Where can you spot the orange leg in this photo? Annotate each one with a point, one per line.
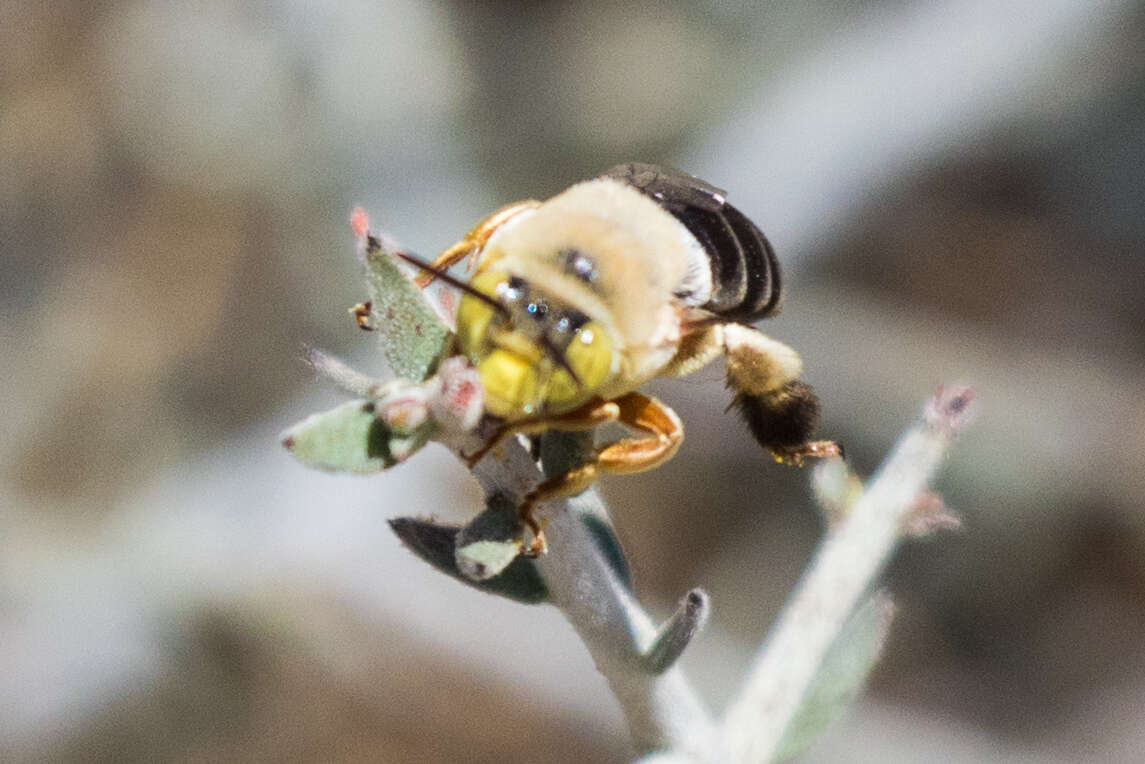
(361, 314)
(587, 417)
(473, 242)
(631, 455)
(626, 456)
(815, 449)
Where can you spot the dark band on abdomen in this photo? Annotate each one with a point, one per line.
(745, 273)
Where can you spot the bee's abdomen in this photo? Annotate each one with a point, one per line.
(745, 273)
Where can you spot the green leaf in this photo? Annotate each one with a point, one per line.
(349, 438)
(412, 336)
(842, 674)
(491, 541)
(436, 543)
(484, 559)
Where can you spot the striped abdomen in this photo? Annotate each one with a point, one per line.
(745, 273)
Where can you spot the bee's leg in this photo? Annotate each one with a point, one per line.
(362, 315)
(472, 243)
(781, 411)
(568, 484)
(586, 417)
(626, 456)
(697, 349)
(631, 455)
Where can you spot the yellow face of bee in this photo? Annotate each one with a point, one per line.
(587, 282)
(523, 355)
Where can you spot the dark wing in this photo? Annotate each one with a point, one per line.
(745, 273)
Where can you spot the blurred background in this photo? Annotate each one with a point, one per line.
(956, 192)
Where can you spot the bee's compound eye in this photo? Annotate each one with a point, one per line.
(537, 309)
(579, 264)
(512, 289)
(569, 321)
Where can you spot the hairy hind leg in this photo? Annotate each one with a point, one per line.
(781, 411)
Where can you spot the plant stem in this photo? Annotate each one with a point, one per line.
(846, 564)
(663, 711)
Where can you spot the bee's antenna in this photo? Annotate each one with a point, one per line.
(558, 356)
(552, 350)
(440, 273)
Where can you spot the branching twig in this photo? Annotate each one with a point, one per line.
(823, 645)
(848, 561)
(662, 709)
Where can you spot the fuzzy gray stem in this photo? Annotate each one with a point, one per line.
(663, 711)
(675, 633)
(842, 571)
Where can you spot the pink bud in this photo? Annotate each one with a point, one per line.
(461, 400)
(359, 222)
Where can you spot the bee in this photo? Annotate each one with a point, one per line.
(577, 301)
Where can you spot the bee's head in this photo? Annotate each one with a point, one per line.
(538, 354)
